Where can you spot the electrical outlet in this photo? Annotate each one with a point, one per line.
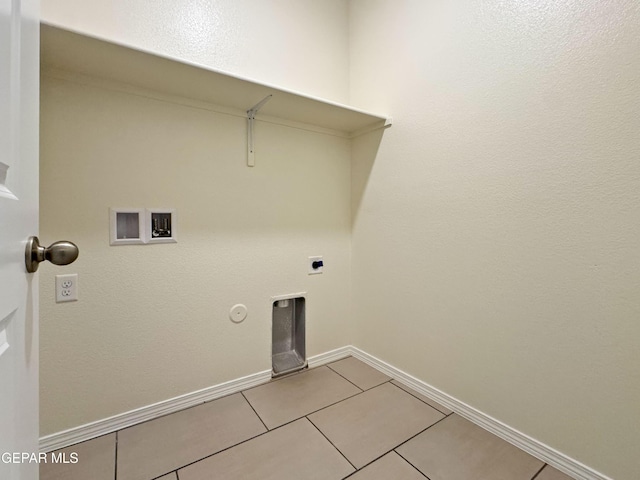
(66, 288)
(315, 265)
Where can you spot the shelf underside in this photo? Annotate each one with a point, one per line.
(87, 55)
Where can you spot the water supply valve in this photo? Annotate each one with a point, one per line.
(316, 265)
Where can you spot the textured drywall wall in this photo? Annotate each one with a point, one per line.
(153, 321)
(297, 44)
(495, 237)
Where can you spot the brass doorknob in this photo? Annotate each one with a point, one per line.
(58, 253)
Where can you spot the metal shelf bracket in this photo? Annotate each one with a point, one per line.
(251, 115)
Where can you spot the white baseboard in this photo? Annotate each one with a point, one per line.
(538, 449)
(556, 459)
(149, 412)
(331, 356)
(95, 429)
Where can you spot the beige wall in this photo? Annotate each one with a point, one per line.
(152, 320)
(295, 44)
(495, 237)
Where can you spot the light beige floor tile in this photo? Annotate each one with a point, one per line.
(171, 476)
(550, 473)
(456, 449)
(370, 424)
(294, 452)
(285, 400)
(426, 400)
(389, 467)
(96, 460)
(167, 443)
(359, 373)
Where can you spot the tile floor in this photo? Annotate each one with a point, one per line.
(341, 420)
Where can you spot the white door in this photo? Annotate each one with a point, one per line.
(19, 104)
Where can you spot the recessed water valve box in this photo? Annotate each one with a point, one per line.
(161, 223)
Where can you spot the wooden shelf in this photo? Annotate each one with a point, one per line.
(87, 55)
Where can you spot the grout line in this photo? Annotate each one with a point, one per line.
(405, 391)
(235, 445)
(100, 428)
(280, 426)
(420, 432)
(168, 473)
(281, 377)
(287, 423)
(416, 468)
(350, 475)
(398, 446)
(375, 459)
(363, 389)
(213, 400)
(220, 451)
(320, 409)
(199, 404)
(177, 411)
(338, 373)
(465, 414)
(283, 425)
(332, 404)
(537, 449)
(115, 473)
(539, 472)
(407, 440)
(227, 448)
(380, 384)
(254, 411)
(264, 433)
(379, 458)
(87, 440)
(306, 369)
(314, 411)
(332, 444)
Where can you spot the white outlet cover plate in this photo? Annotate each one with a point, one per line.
(67, 288)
